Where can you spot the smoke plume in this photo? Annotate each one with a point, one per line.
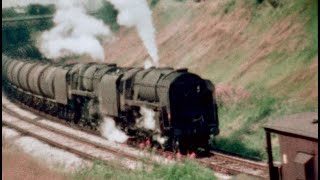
(136, 13)
(109, 130)
(75, 32)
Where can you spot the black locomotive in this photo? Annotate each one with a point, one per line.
(184, 105)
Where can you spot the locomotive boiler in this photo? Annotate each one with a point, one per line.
(184, 104)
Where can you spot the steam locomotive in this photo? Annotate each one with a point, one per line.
(184, 105)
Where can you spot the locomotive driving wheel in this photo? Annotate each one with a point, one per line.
(201, 146)
(179, 145)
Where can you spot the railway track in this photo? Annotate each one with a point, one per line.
(233, 165)
(83, 150)
(34, 125)
(87, 146)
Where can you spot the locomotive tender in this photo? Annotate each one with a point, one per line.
(184, 104)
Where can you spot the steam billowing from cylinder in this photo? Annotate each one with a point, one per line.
(75, 33)
(109, 130)
(147, 120)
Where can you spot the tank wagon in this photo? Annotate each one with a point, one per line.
(184, 104)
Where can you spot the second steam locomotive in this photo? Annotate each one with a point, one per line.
(184, 105)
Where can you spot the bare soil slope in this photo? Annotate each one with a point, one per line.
(17, 165)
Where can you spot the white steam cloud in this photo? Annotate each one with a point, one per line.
(136, 13)
(159, 138)
(75, 33)
(149, 122)
(109, 130)
(148, 63)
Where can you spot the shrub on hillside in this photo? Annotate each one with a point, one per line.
(153, 3)
(38, 9)
(236, 145)
(108, 14)
(9, 12)
(180, 0)
(188, 170)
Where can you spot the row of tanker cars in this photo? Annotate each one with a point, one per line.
(184, 104)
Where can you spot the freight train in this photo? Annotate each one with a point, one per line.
(184, 105)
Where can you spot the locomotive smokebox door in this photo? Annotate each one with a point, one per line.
(109, 96)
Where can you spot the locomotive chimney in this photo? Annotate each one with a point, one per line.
(182, 70)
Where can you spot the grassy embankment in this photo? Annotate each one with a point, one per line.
(281, 81)
(187, 171)
(264, 64)
(20, 40)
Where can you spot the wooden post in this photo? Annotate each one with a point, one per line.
(269, 151)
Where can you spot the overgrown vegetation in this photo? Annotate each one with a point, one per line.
(38, 9)
(153, 3)
(108, 14)
(187, 170)
(19, 41)
(9, 12)
(246, 137)
(30, 10)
